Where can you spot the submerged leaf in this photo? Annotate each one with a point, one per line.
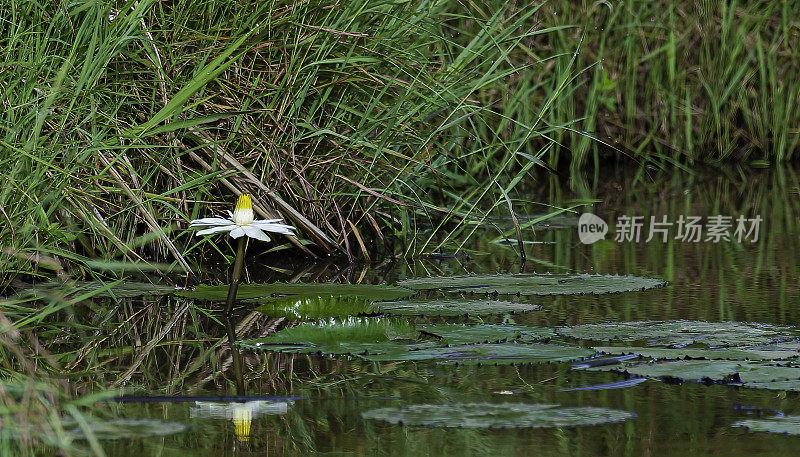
(453, 307)
(680, 333)
(384, 339)
(351, 330)
(534, 284)
(320, 307)
(280, 289)
(787, 425)
(485, 333)
(749, 373)
(789, 385)
(489, 354)
(491, 415)
(351, 336)
(709, 354)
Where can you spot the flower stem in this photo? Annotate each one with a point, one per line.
(237, 356)
(237, 274)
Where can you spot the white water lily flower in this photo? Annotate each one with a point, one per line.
(242, 222)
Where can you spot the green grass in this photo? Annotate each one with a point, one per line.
(677, 83)
(340, 119)
(364, 123)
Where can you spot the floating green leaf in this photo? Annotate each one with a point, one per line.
(787, 425)
(488, 354)
(453, 307)
(535, 334)
(682, 333)
(485, 333)
(335, 331)
(534, 284)
(491, 415)
(363, 349)
(762, 353)
(384, 339)
(305, 308)
(749, 373)
(341, 336)
(790, 385)
(280, 289)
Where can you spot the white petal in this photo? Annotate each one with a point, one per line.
(225, 228)
(210, 221)
(269, 221)
(268, 226)
(237, 232)
(254, 232)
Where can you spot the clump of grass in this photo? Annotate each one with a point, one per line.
(363, 123)
(345, 119)
(676, 84)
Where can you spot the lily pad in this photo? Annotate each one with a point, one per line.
(339, 336)
(534, 284)
(280, 289)
(484, 333)
(680, 333)
(453, 307)
(791, 385)
(393, 339)
(488, 354)
(787, 425)
(712, 370)
(491, 415)
(763, 353)
(362, 350)
(306, 308)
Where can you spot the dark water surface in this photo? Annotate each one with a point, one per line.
(727, 280)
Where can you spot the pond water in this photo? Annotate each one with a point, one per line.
(321, 398)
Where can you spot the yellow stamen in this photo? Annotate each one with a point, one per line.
(244, 202)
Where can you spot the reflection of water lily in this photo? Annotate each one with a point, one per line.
(242, 417)
(241, 414)
(242, 222)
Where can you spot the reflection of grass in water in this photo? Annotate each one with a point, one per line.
(708, 281)
(146, 344)
(41, 415)
(177, 350)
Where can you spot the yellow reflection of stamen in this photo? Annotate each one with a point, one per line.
(242, 417)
